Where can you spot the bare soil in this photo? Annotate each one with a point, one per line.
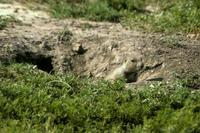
(93, 49)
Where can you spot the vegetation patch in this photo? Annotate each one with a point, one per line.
(5, 1)
(6, 20)
(163, 16)
(152, 15)
(34, 101)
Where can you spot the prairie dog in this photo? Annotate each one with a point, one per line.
(127, 70)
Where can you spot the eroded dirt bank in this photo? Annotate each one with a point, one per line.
(93, 48)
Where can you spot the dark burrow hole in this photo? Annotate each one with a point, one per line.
(131, 77)
(43, 62)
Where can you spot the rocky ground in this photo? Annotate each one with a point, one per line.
(93, 48)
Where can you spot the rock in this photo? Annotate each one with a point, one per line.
(79, 49)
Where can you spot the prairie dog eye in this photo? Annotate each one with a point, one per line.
(133, 60)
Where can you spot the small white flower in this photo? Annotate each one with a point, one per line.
(151, 86)
(35, 66)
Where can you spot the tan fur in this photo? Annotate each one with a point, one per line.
(126, 71)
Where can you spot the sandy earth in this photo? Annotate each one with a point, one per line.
(93, 48)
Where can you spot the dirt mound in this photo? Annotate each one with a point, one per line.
(21, 12)
(93, 48)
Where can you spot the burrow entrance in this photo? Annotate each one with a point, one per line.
(42, 62)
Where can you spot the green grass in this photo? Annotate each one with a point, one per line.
(34, 101)
(5, 1)
(97, 11)
(170, 16)
(180, 16)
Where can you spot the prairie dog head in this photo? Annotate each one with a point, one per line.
(130, 65)
(127, 70)
(133, 65)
